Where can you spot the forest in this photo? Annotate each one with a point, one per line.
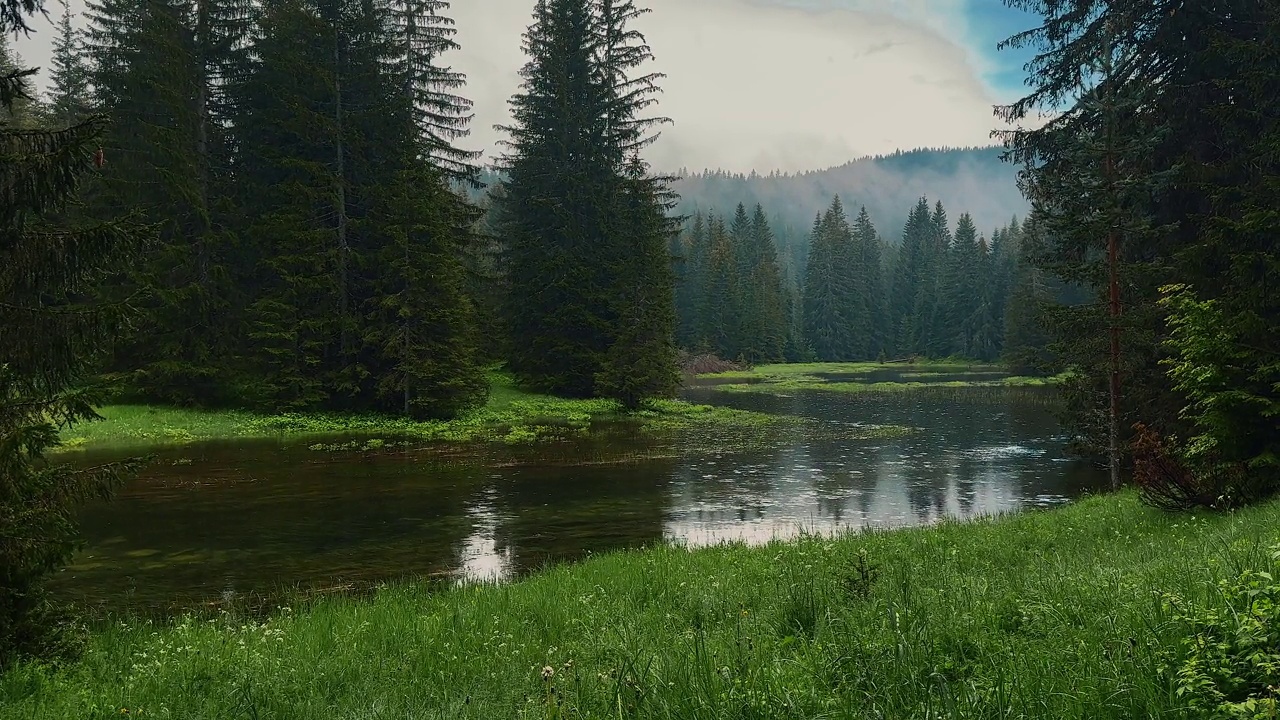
(854, 296)
(267, 206)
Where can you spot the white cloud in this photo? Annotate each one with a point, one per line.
(759, 85)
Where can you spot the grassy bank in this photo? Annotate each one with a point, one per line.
(510, 415)
(1070, 613)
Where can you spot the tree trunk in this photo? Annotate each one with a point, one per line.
(340, 194)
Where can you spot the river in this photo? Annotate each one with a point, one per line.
(215, 521)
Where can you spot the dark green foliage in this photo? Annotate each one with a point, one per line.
(69, 74)
(580, 219)
(298, 158)
(49, 335)
(1231, 388)
(641, 362)
(155, 63)
(1227, 664)
(1163, 151)
(828, 286)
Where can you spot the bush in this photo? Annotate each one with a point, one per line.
(1228, 665)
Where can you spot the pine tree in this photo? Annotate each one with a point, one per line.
(442, 115)
(17, 99)
(961, 291)
(692, 261)
(932, 334)
(69, 77)
(720, 327)
(640, 364)
(155, 69)
(867, 319)
(909, 275)
(558, 310)
(50, 339)
(767, 291)
(571, 207)
(828, 289)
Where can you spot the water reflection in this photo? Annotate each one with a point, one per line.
(257, 517)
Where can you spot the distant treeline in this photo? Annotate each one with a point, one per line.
(939, 292)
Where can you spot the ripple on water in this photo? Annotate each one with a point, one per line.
(366, 517)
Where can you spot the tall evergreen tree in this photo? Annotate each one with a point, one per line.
(50, 339)
(867, 310)
(69, 99)
(828, 286)
(910, 273)
(570, 204)
(768, 292)
(424, 33)
(155, 66)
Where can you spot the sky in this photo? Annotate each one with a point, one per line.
(765, 85)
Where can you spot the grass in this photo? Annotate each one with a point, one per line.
(786, 370)
(911, 377)
(1053, 614)
(510, 415)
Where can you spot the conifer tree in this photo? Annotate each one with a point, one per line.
(69, 74)
(961, 291)
(866, 310)
(155, 67)
(575, 228)
(720, 328)
(828, 290)
(50, 339)
(442, 115)
(910, 273)
(768, 292)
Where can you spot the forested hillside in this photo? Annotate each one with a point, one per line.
(936, 289)
(974, 179)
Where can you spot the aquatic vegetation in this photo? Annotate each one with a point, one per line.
(870, 378)
(791, 370)
(1040, 614)
(511, 416)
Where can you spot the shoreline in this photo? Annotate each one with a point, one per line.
(1048, 611)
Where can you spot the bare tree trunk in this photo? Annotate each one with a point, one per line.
(1113, 262)
(340, 193)
(202, 230)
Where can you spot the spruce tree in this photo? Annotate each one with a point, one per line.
(69, 99)
(155, 68)
(828, 287)
(910, 270)
(720, 326)
(424, 33)
(558, 274)
(575, 227)
(961, 291)
(867, 301)
(50, 340)
(768, 292)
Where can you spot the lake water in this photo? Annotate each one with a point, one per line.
(216, 521)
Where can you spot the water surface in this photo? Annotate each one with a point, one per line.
(220, 520)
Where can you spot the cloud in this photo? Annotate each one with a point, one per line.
(759, 84)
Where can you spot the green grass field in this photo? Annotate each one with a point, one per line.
(510, 415)
(1078, 612)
